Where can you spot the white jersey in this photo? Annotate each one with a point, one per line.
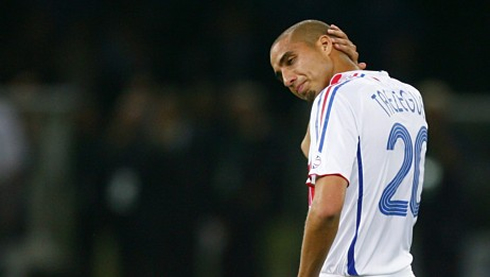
(370, 129)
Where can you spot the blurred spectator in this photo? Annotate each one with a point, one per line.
(45, 110)
(144, 182)
(13, 166)
(247, 184)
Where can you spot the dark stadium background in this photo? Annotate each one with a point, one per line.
(150, 138)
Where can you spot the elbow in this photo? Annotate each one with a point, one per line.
(326, 214)
(329, 198)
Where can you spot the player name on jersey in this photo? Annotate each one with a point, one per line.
(398, 102)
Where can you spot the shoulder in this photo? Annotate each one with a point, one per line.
(355, 80)
(349, 85)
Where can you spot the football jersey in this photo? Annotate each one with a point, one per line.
(370, 129)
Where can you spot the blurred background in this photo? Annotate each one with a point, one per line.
(150, 138)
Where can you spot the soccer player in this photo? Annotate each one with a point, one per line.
(366, 155)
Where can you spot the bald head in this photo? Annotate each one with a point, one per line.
(307, 31)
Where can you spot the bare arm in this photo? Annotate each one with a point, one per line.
(305, 144)
(321, 224)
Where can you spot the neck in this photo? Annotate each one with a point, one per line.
(343, 63)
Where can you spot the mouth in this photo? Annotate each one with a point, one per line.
(300, 88)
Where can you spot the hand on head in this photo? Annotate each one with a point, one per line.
(342, 43)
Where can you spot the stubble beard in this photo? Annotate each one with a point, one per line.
(310, 96)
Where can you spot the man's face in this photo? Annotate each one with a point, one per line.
(304, 69)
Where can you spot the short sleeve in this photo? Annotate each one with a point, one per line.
(335, 127)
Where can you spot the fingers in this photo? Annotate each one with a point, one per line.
(339, 37)
(347, 48)
(351, 51)
(342, 43)
(337, 32)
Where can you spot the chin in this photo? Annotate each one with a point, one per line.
(310, 96)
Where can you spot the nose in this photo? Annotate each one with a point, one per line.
(288, 77)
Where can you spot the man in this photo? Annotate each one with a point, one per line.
(366, 157)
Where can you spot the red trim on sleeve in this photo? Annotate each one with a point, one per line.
(310, 184)
(311, 195)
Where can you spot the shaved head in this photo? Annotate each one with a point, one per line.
(304, 58)
(307, 31)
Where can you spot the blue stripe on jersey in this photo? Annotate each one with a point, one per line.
(327, 116)
(351, 263)
(329, 108)
(318, 110)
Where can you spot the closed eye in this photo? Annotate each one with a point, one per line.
(287, 59)
(290, 61)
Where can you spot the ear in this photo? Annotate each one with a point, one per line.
(325, 44)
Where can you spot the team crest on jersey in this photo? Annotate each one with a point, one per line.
(317, 162)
